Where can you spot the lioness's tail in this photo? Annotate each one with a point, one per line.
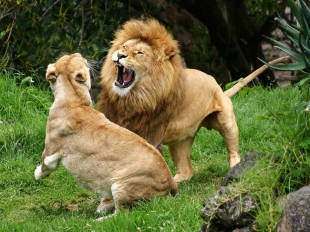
(237, 87)
(174, 187)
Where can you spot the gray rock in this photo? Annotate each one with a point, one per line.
(247, 161)
(227, 209)
(237, 212)
(296, 214)
(250, 228)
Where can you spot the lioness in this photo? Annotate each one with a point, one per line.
(102, 156)
(146, 89)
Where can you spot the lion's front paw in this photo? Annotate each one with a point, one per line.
(182, 177)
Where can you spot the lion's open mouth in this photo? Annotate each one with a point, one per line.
(125, 77)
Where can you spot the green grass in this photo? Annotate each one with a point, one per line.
(59, 204)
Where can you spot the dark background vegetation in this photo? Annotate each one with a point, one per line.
(220, 37)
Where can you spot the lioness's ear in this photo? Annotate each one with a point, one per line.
(51, 74)
(51, 77)
(80, 78)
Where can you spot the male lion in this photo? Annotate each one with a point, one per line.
(146, 89)
(102, 156)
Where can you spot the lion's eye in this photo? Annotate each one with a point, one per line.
(139, 52)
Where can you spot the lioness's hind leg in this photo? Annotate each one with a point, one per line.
(180, 153)
(106, 206)
(225, 123)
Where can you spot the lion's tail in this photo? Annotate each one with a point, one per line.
(237, 87)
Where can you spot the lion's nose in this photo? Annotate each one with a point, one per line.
(121, 56)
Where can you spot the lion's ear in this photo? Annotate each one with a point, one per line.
(165, 53)
(172, 49)
(171, 53)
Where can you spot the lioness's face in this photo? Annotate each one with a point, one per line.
(133, 59)
(73, 67)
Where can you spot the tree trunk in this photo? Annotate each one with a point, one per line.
(239, 39)
(249, 36)
(209, 13)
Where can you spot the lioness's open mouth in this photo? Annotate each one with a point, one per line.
(125, 77)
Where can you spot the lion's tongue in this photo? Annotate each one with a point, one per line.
(126, 77)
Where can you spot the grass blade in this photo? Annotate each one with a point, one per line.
(297, 56)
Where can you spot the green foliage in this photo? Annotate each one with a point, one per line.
(294, 156)
(293, 124)
(300, 37)
(295, 130)
(35, 33)
(285, 167)
(262, 9)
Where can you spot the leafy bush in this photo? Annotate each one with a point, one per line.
(294, 155)
(34, 33)
(299, 36)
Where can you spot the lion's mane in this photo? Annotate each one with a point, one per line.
(152, 101)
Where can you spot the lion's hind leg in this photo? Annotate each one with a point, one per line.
(225, 123)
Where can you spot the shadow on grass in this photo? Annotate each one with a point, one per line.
(209, 175)
(58, 210)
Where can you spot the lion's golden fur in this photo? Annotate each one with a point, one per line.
(166, 103)
(157, 94)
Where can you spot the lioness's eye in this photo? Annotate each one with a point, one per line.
(139, 52)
